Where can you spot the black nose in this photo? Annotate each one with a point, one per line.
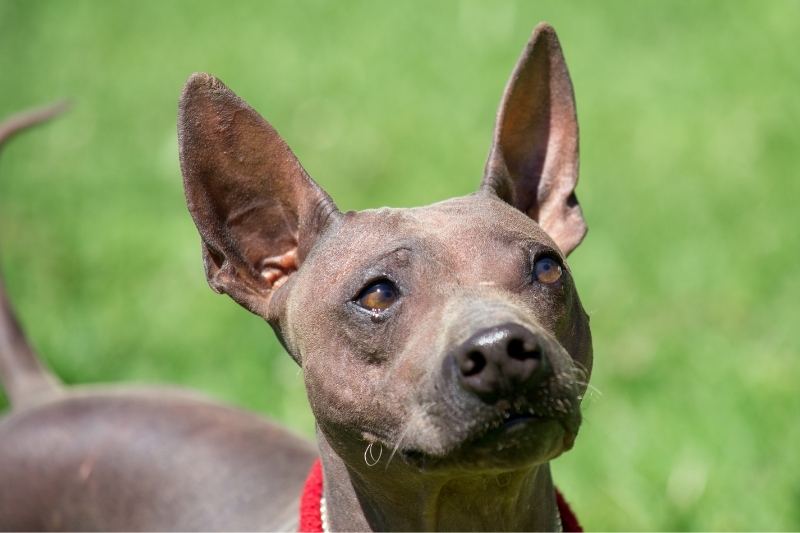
(501, 362)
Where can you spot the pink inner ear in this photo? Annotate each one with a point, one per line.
(533, 164)
(275, 270)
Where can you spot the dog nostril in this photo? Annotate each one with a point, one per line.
(473, 363)
(521, 350)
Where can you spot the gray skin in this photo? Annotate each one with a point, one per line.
(440, 410)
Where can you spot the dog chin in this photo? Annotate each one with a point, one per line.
(517, 442)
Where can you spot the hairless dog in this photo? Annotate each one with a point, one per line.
(444, 349)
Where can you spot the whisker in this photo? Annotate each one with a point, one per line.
(403, 433)
(593, 389)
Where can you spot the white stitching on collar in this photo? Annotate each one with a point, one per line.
(323, 515)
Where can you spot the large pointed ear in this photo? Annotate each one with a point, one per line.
(257, 211)
(533, 164)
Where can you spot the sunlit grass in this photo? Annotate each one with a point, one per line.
(689, 119)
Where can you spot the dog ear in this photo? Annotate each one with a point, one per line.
(533, 163)
(257, 211)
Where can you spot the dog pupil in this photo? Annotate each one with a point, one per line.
(379, 296)
(547, 270)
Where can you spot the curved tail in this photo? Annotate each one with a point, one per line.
(22, 374)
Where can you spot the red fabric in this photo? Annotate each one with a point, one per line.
(311, 521)
(568, 519)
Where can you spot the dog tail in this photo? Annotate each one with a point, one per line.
(22, 374)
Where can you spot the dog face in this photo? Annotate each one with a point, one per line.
(382, 313)
(451, 334)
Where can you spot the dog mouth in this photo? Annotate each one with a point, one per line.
(514, 426)
(510, 436)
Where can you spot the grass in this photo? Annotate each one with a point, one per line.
(689, 120)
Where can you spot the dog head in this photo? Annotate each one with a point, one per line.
(451, 334)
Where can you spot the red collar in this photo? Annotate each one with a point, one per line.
(311, 519)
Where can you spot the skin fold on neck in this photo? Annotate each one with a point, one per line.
(378, 498)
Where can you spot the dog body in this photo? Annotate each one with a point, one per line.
(444, 348)
(138, 460)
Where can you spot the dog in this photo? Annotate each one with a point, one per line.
(444, 349)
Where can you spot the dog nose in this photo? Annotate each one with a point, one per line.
(501, 361)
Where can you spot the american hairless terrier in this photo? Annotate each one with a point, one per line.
(444, 348)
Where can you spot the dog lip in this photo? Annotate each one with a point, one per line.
(511, 433)
(510, 424)
(507, 426)
(516, 420)
(518, 425)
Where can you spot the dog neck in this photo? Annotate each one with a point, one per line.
(394, 497)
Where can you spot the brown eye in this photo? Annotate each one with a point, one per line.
(547, 270)
(378, 296)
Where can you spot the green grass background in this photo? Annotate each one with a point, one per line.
(690, 123)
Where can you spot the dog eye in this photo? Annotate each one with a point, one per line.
(547, 270)
(378, 296)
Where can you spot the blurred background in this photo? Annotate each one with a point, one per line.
(689, 116)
